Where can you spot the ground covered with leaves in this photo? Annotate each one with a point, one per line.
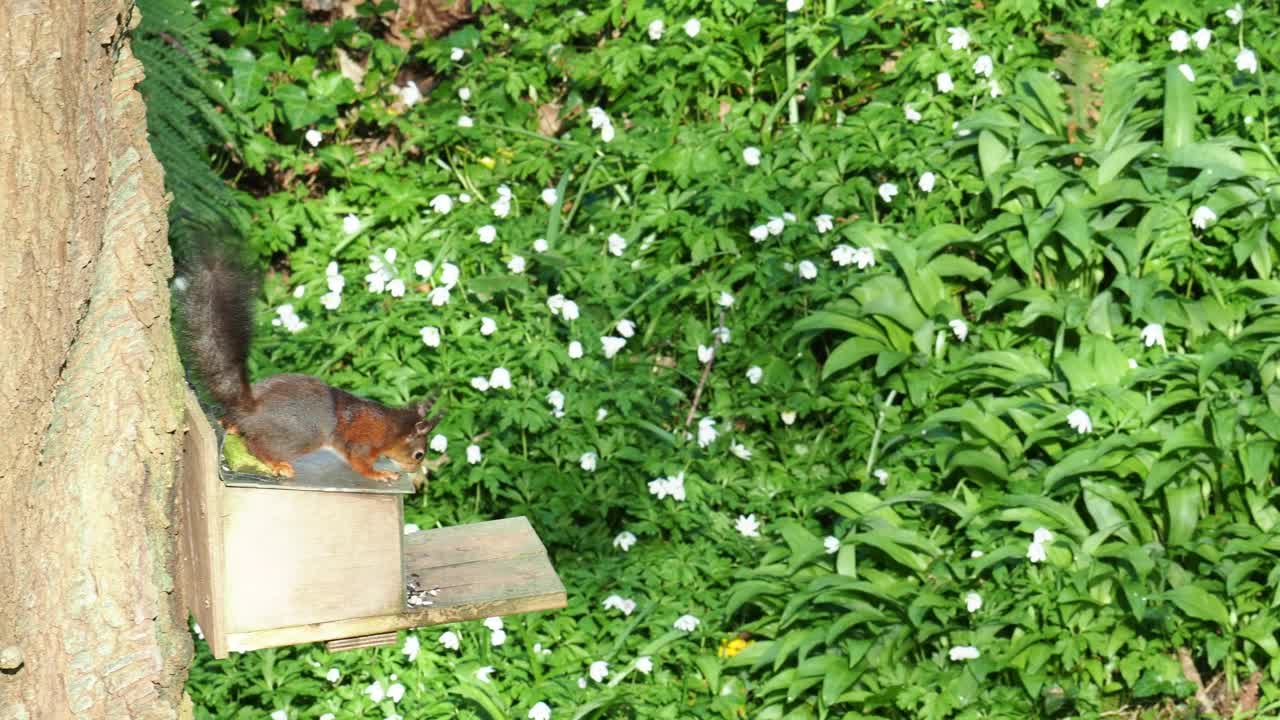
(895, 360)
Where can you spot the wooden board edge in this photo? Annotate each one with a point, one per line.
(357, 627)
(200, 528)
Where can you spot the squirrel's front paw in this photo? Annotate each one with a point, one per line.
(386, 476)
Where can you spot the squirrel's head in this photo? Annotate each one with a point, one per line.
(412, 448)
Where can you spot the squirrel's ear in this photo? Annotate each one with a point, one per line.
(425, 406)
(425, 426)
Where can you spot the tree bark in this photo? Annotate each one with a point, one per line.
(90, 385)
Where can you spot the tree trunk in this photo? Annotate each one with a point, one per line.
(90, 385)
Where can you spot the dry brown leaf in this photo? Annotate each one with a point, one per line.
(549, 119)
(351, 69)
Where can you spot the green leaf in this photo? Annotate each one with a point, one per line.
(1179, 110)
(1200, 604)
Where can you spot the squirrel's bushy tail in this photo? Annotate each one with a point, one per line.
(217, 315)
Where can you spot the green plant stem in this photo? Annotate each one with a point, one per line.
(875, 439)
(582, 190)
(529, 134)
(793, 85)
(793, 107)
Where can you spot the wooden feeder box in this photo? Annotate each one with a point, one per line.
(323, 556)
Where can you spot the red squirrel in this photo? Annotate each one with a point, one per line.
(285, 416)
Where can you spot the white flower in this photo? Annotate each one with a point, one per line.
(976, 554)
(617, 244)
(626, 605)
(686, 623)
(600, 120)
(582, 683)
(488, 326)
(626, 328)
(1044, 536)
(912, 114)
(1036, 552)
(464, 198)
(964, 652)
(973, 602)
(539, 650)
(740, 450)
(540, 245)
(487, 233)
(390, 254)
(984, 66)
(1203, 217)
(795, 6)
(395, 692)
(1179, 41)
(556, 399)
(655, 30)
(755, 374)
(725, 300)
(601, 414)
(644, 664)
(331, 300)
(1246, 61)
(464, 94)
(887, 191)
(1102, 3)
(449, 274)
(668, 486)
(599, 670)
(957, 38)
(497, 638)
(707, 432)
(502, 206)
(410, 94)
(881, 475)
(480, 383)
(1201, 38)
(944, 83)
(280, 715)
(995, 88)
(1079, 421)
(439, 296)
(288, 319)
(540, 711)
(314, 137)
(465, 121)
(960, 328)
(1133, 364)
(442, 203)
(439, 443)
(775, 226)
(555, 303)
(485, 674)
(927, 181)
(423, 269)
(824, 224)
(473, 454)
(612, 345)
(575, 350)
(706, 354)
(333, 675)
(624, 540)
(396, 288)
(570, 310)
(1235, 14)
(500, 378)
(842, 255)
(751, 156)
(450, 640)
(376, 692)
(588, 461)
(692, 27)
(516, 264)
(550, 196)
(758, 233)
(1152, 334)
(808, 270)
(456, 54)
(351, 224)
(1187, 72)
(328, 716)
(747, 525)
(788, 417)
(831, 544)
(411, 647)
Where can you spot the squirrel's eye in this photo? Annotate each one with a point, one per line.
(417, 454)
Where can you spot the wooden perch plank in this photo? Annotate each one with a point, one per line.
(200, 562)
(480, 570)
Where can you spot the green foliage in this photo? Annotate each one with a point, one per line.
(1043, 374)
(185, 114)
